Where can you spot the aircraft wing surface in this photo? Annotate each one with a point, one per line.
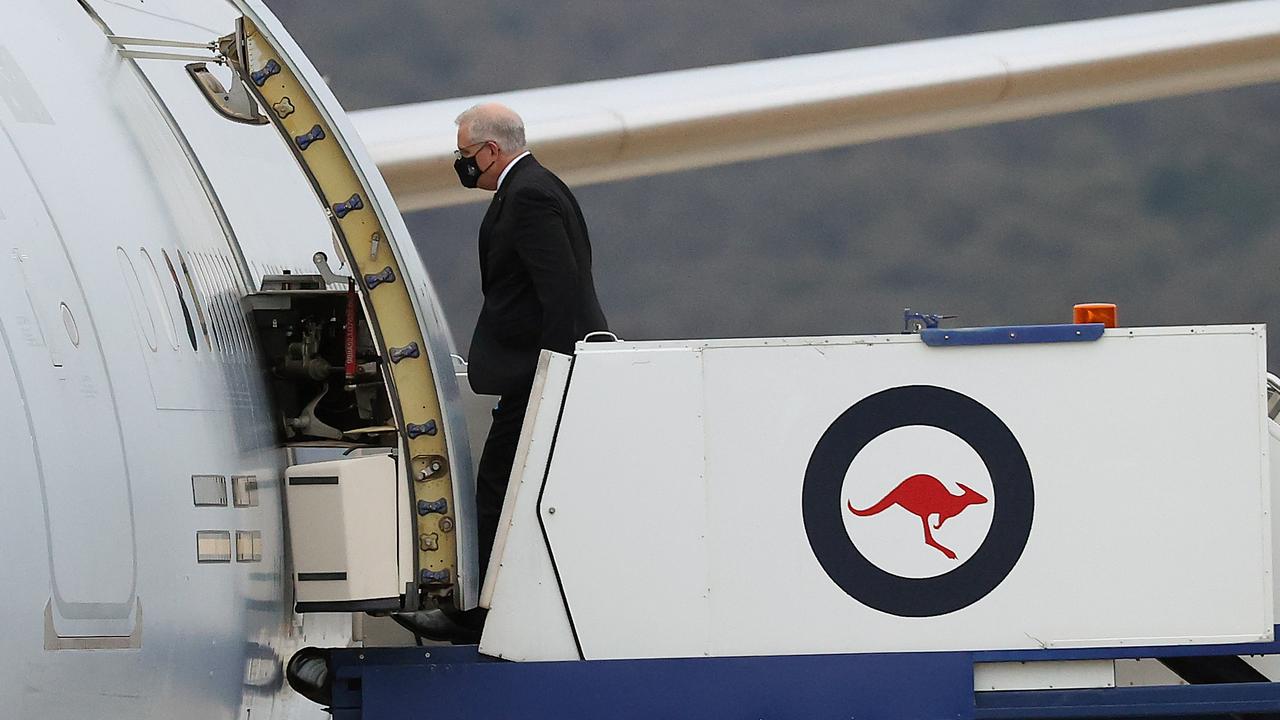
(643, 125)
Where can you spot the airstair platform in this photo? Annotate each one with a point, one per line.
(703, 586)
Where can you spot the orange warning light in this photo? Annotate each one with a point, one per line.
(1104, 313)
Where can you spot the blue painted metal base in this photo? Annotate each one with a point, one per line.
(1198, 701)
(458, 683)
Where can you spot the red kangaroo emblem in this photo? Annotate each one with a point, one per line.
(925, 495)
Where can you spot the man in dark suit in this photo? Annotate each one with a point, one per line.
(535, 271)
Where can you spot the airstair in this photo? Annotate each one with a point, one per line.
(700, 581)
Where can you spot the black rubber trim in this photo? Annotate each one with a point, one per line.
(349, 605)
(305, 577)
(564, 401)
(314, 480)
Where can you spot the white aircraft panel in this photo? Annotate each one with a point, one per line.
(1146, 453)
(24, 574)
(80, 452)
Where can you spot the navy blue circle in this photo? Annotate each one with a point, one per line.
(823, 507)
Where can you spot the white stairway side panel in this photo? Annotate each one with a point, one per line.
(1148, 521)
(1148, 506)
(527, 618)
(625, 504)
(546, 396)
(1273, 453)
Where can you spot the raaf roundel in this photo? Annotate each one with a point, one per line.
(991, 496)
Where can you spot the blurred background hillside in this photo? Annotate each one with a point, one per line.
(1170, 208)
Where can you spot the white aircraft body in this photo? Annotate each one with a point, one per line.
(134, 218)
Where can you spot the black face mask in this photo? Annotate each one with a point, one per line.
(469, 171)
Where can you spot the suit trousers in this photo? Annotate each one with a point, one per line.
(494, 470)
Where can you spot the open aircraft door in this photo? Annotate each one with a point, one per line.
(358, 362)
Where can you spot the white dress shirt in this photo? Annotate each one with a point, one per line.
(510, 165)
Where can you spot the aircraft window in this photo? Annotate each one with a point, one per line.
(231, 296)
(182, 300)
(69, 322)
(213, 546)
(233, 275)
(239, 291)
(141, 312)
(195, 298)
(248, 545)
(213, 301)
(241, 315)
(157, 295)
(216, 318)
(207, 312)
(218, 284)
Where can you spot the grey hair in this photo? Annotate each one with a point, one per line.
(485, 122)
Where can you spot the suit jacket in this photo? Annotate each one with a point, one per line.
(535, 271)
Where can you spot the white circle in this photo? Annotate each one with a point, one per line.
(894, 538)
